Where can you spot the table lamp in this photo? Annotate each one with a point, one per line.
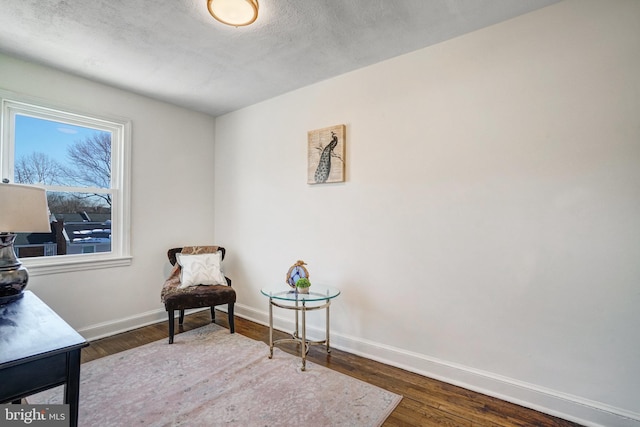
(23, 209)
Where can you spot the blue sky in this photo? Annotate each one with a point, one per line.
(48, 137)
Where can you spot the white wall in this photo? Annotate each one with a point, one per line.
(488, 232)
(172, 199)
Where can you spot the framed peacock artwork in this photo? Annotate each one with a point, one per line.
(326, 155)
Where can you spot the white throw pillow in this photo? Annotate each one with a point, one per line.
(201, 269)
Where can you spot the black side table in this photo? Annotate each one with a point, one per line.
(38, 351)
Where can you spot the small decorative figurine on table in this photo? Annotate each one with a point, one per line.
(297, 272)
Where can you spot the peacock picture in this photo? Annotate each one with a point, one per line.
(326, 155)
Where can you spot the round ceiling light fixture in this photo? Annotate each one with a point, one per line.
(234, 12)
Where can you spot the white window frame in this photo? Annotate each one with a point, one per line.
(120, 129)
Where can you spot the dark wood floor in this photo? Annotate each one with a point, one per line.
(426, 402)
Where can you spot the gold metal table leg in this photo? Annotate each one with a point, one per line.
(296, 309)
(303, 343)
(327, 327)
(270, 328)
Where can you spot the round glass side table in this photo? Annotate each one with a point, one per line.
(319, 297)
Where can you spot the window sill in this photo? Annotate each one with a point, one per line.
(66, 264)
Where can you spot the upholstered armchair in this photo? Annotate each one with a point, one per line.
(196, 281)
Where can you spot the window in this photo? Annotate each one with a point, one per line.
(82, 161)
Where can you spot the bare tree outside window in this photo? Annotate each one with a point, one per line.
(37, 168)
(89, 163)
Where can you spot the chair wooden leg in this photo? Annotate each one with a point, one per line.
(181, 321)
(232, 326)
(171, 325)
(213, 314)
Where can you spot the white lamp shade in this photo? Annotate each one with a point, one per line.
(23, 209)
(234, 12)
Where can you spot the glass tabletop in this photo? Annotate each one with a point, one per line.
(316, 293)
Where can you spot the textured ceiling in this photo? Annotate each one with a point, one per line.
(175, 51)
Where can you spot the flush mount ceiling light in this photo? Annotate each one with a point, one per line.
(234, 12)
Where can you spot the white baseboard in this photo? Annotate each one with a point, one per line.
(107, 329)
(574, 408)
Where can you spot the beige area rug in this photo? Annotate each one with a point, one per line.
(209, 377)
